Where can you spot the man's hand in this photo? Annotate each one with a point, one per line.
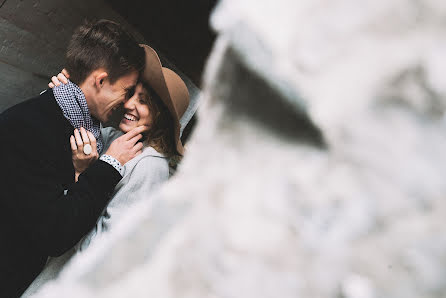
(81, 161)
(126, 147)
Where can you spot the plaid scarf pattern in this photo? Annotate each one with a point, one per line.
(73, 104)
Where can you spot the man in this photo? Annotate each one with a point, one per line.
(44, 212)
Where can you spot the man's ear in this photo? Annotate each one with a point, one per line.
(100, 79)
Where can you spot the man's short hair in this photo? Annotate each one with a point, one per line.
(102, 44)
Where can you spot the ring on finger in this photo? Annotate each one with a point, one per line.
(87, 149)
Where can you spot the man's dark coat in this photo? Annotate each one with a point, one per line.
(43, 212)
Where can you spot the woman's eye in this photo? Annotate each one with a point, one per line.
(143, 100)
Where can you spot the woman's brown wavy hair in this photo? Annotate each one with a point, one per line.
(161, 135)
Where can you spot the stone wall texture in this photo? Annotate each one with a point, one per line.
(316, 170)
(34, 35)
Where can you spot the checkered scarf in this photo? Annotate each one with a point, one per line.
(71, 100)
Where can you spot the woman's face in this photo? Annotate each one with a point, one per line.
(136, 110)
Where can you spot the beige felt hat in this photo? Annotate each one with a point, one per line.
(169, 87)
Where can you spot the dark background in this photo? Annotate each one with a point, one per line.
(178, 29)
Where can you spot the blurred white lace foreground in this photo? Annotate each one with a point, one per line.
(316, 170)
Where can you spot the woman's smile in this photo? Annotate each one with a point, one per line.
(130, 117)
(136, 109)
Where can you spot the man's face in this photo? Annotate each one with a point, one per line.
(110, 96)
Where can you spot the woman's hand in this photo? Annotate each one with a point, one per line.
(62, 77)
(82, 161)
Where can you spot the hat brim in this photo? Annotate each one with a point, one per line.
(156, 76)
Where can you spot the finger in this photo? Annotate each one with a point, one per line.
(92, 142)
(51, 85)
(78, 138)
(135, 139)
(135, 131)
(55, 81)
(73, 144)
(62, 78)
(65, 73)
(84, 135)
(137, 147)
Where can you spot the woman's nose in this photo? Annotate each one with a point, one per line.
(130, 103)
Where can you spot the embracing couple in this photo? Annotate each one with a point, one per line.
(65, 179)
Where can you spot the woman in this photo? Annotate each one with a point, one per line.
(159, 100)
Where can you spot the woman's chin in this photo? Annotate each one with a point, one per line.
(124, 127)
